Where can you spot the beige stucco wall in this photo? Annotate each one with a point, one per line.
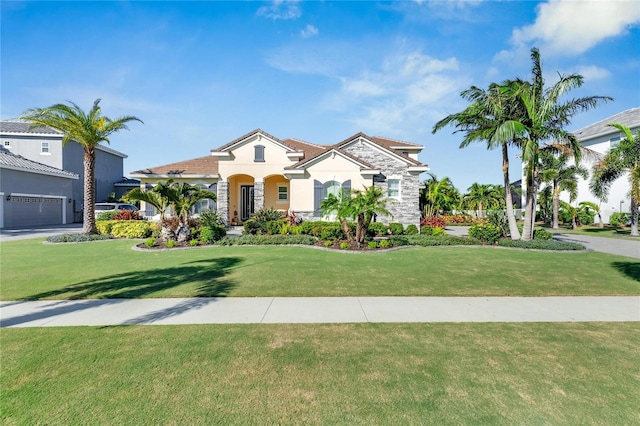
(271, 185)
(242, 160)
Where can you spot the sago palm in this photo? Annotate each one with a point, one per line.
(88, 129)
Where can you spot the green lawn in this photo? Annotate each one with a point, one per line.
(387, 374)
(595, 231)
(108, 269)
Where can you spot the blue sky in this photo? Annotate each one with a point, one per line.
(200, 74)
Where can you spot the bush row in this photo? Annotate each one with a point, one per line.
(266, 240)
(127, 228)
(76, 238)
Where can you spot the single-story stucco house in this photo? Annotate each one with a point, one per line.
(259, 170)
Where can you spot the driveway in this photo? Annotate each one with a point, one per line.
(13, 234)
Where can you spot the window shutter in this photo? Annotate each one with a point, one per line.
(318, 195)
(346, 188)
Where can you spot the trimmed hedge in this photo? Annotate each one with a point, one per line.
(540, 244)
(76, 238)
(485, 232)
(213, 233)
(441, 240)
(125, 228)
(267, 240)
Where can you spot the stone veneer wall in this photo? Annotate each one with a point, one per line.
(407, 209)
(258, 195)
(223, 200)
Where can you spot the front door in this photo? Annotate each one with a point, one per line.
(246, 202)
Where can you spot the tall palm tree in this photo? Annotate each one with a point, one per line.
(88, 129)
(621, 159)
(481, 196)
(561, 176)
(586, 205)
(544, 119)
(480, 122)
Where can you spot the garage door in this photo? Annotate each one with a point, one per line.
(34, 211)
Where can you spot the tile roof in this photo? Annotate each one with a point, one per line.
(23, 127)
(248, 135)
(125, 181)
(630, 118)
(387, 144)
(198, 166)
(310, 150)
(12, 161)
(329, 149)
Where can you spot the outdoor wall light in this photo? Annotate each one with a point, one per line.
(8, 197)
(70, 200)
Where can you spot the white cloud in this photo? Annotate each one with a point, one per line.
(572, 27)
(592, 72)
(309, 31)
(281, 9)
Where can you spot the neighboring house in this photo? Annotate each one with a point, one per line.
(600, 137)
(259, 170)
(44, 145)
(32, 193)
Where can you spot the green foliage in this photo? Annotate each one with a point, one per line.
(372, 244)
(498, 218)
(328, 243)
(396, 228)
(253, 227)
(323, 230)
(150, 242)
(398, 240)
(211, 218)
(619, 219)
(211, 234)
(586, 216)
(104, 226)
(107, 215)
(131, 229)
(440, 240)
(76, 238)
(540, 244)
(377, 229)
(171, 243)
(485, 232)
(344, 246)
(411, 230)
(384, 243)
(541, 234)
(265, 215)
(275, 227)
(193, 242)
(267, 240)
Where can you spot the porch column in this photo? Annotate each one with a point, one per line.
(258, 194)
(223, 200)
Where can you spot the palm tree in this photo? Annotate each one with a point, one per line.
(87, 129)
(438, 196)
(555, 170)
(621, 159)
(480, 122)
(596, 208)
(481, 196)
(358, 205)
(150, 197)
(545, 117)
(572, 212)
(545, 201)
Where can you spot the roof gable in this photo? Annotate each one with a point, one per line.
(384, 146)
(630, 118)
(249, 137)
(329, 153)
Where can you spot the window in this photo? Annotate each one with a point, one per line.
(44, 148)
(332, 187)
(259, 153)
(614, 141)
(393, 188)
(283, 193)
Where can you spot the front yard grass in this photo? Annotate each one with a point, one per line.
(595, 231)
(565, 373)
(110, 269)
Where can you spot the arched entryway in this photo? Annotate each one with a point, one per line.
(242, 198)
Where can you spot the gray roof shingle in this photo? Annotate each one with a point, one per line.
(12, 161)
(630, 118)
(22, 127)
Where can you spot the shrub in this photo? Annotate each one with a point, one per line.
(156, 230)
(586, 217)
(433, 221)
(131, 229)
(211, 234)
(541, 244)
(267, 215)
(411, 230)
(193, 243)
(126, 215)
(485, 232)
(619, 219)
(384, 243)
(344, 246)
(150, 242)
(372, 245)
(275, 227)
(253, 227)
(541, 234)
(267, 240)
(76, 238)
(440, 240)
(499, 219)
(107, 215)
(104, 226)
(456, 219)
(377, 229)
(396, 228)
(430, 230)
(211, 218)
(398, 240)
(323, 230)
(328, 243)
(171, 243)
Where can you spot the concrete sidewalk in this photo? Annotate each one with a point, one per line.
(274, 310)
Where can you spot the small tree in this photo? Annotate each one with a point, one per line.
(358, 205)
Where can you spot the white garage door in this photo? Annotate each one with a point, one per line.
(34, 211)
